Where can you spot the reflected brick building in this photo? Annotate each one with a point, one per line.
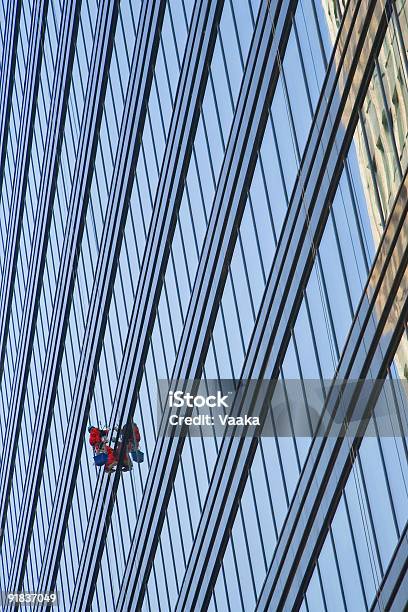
(381, 137)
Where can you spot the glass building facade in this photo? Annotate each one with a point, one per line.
(202, 189)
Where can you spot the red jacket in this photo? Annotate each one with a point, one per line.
(111, 455)
(136, 434)
(95, 436)
(134, 439)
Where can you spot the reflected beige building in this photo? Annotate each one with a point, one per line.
(381, 137)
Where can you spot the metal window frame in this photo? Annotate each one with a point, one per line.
(330, 460)
(199, 50)
(393, 591)
(8, 65)
(25, 139)
(200, 320)
(187, 106)
(261, 74)
(134, 114)
(79, 197)
(325, 151)
(49, 173)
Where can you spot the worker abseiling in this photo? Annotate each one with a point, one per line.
(108, 457)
